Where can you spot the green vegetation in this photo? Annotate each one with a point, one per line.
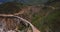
(46, 20)
(49, 23)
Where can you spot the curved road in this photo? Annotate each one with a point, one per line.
(15, 15)
(33, 28)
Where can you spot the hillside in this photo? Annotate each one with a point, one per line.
(45, 17)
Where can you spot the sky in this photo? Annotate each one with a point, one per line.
(5, 0)
(2, 0)
(26, 1)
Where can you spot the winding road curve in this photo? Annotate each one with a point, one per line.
(15, 15)
(33, 28)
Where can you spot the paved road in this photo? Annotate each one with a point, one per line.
(33, 28)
